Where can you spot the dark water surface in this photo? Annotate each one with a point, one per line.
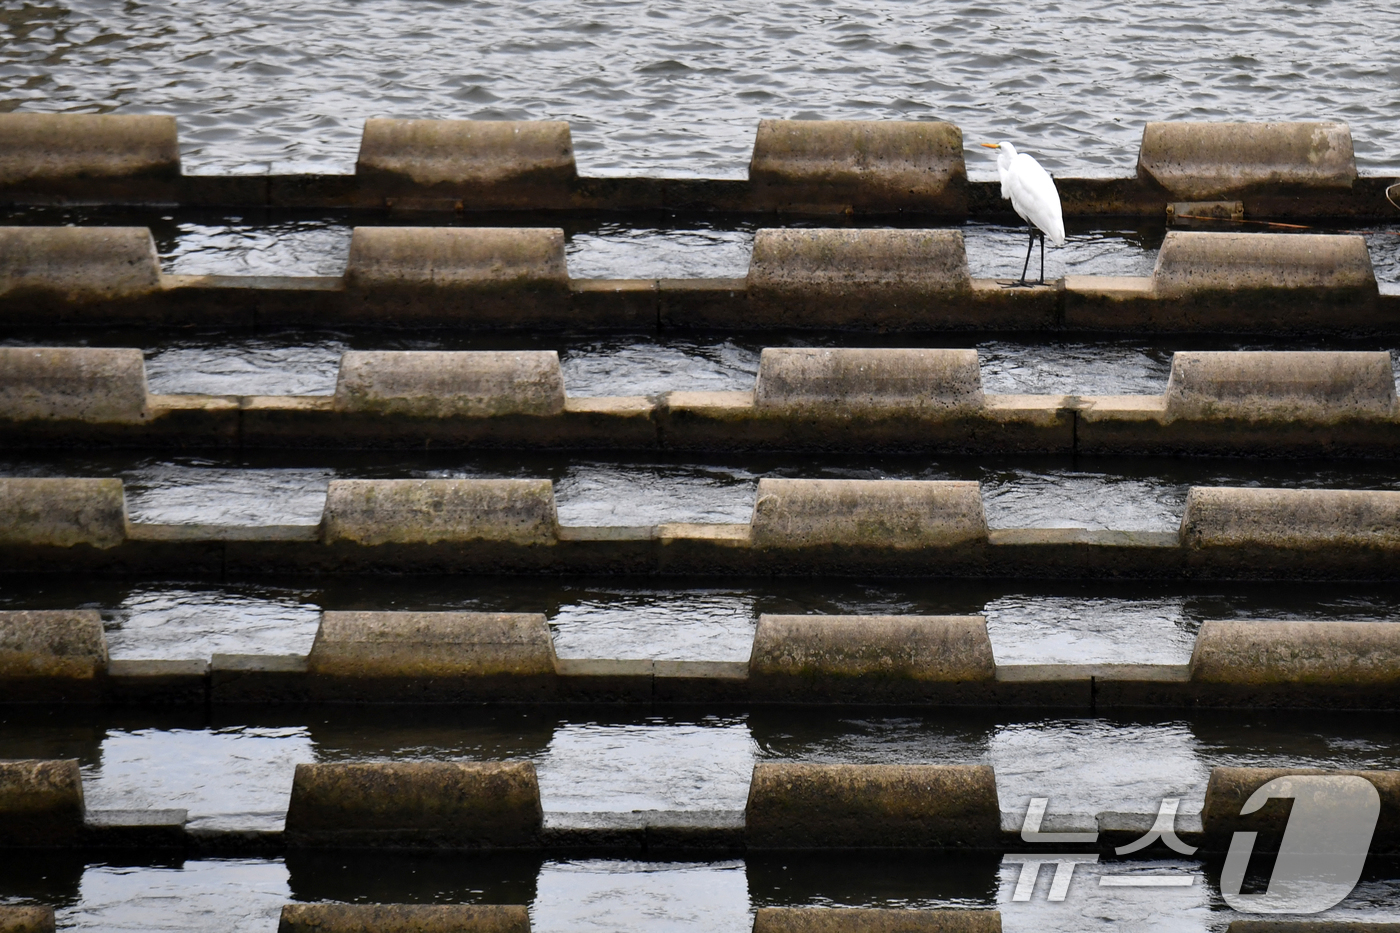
(667, 88)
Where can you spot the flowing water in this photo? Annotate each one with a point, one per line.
(664, 88)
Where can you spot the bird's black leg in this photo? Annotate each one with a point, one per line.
(1026, 267)
(1042, 259)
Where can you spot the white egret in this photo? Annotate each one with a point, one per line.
(1033, 196)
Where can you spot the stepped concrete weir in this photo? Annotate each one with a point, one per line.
(804, 167)
(516, 278)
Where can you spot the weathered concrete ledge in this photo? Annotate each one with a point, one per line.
(1253, 403)
(53, 654)
(47, 270)
(436, 384)
(404, 918)
(1211, 161)
(866, 166)
(1231, 787)
(26, 920)
(1241, 282)
(1310, 926)
(800, 527)
(867, 279)
(509, 658)
(874, 920)
(483, 276)
(808, 806)
(505, 278)
(801, 167)
(453, 805)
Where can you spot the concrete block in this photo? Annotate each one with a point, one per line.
(1343, 654)
(871, 165)
(404, 918)
(1229, 788)
(53, 512)
(41, 803)
(26, 920)
(846, 277)
(52, 644)
(1310, 926)
(426, 645)
(444, 384)
(872, 920)
(1299, 519)
(430, 511)
(1281, 385)
(1193, 262)
(47, 147)
(865, 652)
(839, 381)
(467, 153)
(421, 804)
(488, 276)
(898, 514)
(810, 806)
(72, 383)
(1203, 161)
(78, 265)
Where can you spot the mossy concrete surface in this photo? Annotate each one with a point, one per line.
(1220, 518)
(51, 644)
(879, 514)
(1193, 261)
(26, 920)
(1346, 654)
(37, 148)
(41, 803)
(1310, 926)
(377, 512)
(477, 276)
(859, 164)
(466, 154)
(404, 918)
(446, 384)
(829, 381)
(89, 384)
(421, 804)
(1229, 788)
(1203, 161)
(63, 513)
(813, 654)
(77, 265)
(841, 277)
(1311, 387)
(407, 656)
(874, 920)
(806, 806)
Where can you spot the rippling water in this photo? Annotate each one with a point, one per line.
(665, 87)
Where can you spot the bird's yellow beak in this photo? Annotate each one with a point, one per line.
(992, 145)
